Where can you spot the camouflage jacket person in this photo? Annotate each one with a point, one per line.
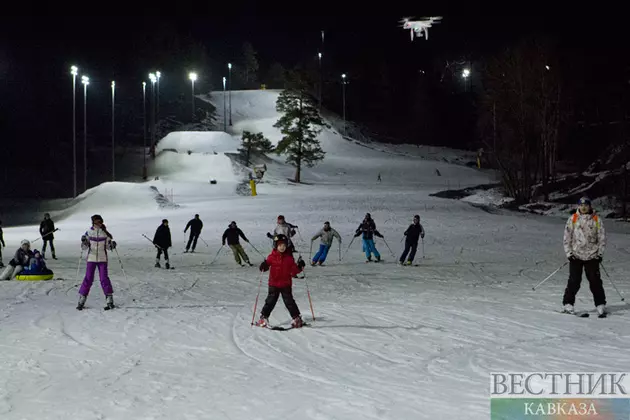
(584, 236)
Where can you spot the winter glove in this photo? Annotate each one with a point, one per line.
(599, 258)
(292, 232)
(112, 245)
(269, 235)
(422, 236)
(223, 243)
(356, 235)
(571, 257)
(264, 266)
(301, 263)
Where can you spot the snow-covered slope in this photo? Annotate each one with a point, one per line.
(387, 342)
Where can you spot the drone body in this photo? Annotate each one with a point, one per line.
(417, 27)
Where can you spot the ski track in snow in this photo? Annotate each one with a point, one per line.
(387, 342)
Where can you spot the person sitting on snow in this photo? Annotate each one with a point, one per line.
(326, 234)
(37, 265)
(20, 260)
(284, 228)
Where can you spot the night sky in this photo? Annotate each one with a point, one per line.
(36, 54)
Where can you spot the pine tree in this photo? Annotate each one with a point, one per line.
(276, 77)
(252, 143)
(300, 125)
(249, 66)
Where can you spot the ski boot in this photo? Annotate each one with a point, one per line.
(320, 263)
(408, 263)
(297, 322)
(81, 304)
(262, 322)
(157, 265)
(54, 256)
(168, 266)
(109, 302)
(378, 258)
(601, 311)
(568, 309)
(1, 264)
(313, 263)
(186, 251)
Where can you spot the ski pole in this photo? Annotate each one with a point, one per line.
(154, 244)
(250, 244)
(79, 266)
(612, 282)
(257, 295)
(422, 247)
(217, 256)
(344, 255)
(121, 264)
(204, 242)
(390, 250)
(310, 252)
(551, 275)
(339, 251)
(308, 293)
(42, 237)
(299, 234)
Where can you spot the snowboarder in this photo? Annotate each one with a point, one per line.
(584, 243)
(412, 234)
(283, 269)
(231, 234)
(326, 234)
(162, 241)
(21, 259)
(195, 226)
(2, 244)
(368, 229)
(97, 241)
(46, 229)
(284, 228)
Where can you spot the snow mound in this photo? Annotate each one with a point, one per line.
(198, 142)
(195, 167)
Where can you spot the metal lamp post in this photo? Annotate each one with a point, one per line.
(86, 81)
(144, 131)
(74, 70)
(193, 78)
(224, 108)
(113, 144)
(230, 89)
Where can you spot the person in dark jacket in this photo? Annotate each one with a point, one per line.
(413, 233)
(162, 241)
(195, 226)
(231, 234)
(368, 229)
(2, 244)
(283, 269)
(46, 229)
(21, 259)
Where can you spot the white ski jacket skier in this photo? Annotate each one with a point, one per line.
(97, 242)
(584, 236)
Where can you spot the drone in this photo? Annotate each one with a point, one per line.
(418, 26)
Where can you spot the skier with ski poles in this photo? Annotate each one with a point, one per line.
(286, 229)
(414, 232)
(232, 234)
(584, 243)
(162, 241)
(195, 225)
(46, 229)
(367, 228)
(326, 234)
(283, 268)
(97, 240)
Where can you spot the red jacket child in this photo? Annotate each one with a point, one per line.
(282, 268)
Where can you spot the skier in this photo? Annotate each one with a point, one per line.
(21, 259)
(231, 234)
(46, 229)
(379, 177)
(284, 228)
(96, 241)
(195, 226)
(2, 244)
(162, 241)
(368, 229)
(326, 234)
(584, 243)
(413, 233)
(283, 269)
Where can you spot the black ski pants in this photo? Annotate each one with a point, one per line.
(194, 236)
(287, 296)
(591, 267)
(159, 254)
(413, 247)
(52, 246)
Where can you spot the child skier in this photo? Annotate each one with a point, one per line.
(584, 243)
(21, 259)
(412, 234)
(231, 234)
(97, 240)
(326, 234)
(286, 229)
(162, 241)
(283, 269)
(368, 229)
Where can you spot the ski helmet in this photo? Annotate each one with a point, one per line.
(584, 200)
(368, 216)
(232, 224)
(25, 242)
(280, 238)
(416, 217)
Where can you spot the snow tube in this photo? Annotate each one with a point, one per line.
(34, 277)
